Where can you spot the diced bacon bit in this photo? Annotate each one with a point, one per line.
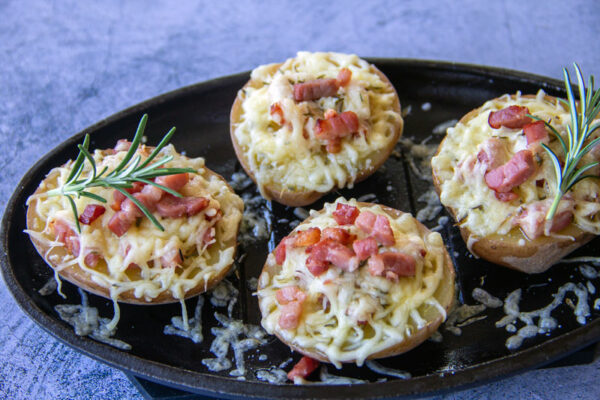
(209, 236)
(365, 221)
(307, 237)
(119, 197)
(280, 250)
(506, 197)
(335, 127)
(339, 235)
(277, 113)
(316, 265)
(382, 231)
(345, 214)
(66, 235)
(149, 196)
(532, 220)
(536, 132)
(513, 117)
(376, 225)
(172, 258)
(315, 89)
(174, 182)
(121, 221)
(333, 146)
(330, 113)
(333, 252)
(303, 368)
(492, 153)
(175, 207)
(510, 175)
(392, 265)
(91, 213)
(344, 76)
(91, 259)
(365, 248)
(123, 145)
(289, 316)
(288, 294)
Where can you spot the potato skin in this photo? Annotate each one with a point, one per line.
(535, 256)
(83, 279)
(445, 294)
(305, 197)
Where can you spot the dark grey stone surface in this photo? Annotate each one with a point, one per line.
(67, 64)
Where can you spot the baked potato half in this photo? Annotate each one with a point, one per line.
(314, 123)
(356, 281)
(119, 253)
(496, 180)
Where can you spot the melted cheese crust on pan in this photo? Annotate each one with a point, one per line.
(395, 310)
(143, 244)
(465, 190)
(289, 155)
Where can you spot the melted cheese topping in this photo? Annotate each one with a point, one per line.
(336, 299)
(464, 188)
(281, 155)
(143, 244)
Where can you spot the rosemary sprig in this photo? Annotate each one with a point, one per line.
(131, 169)
(578, 132)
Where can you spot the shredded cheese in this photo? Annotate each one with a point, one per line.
(143, 244)
(464, 188)
(337, 300)
(288, 155)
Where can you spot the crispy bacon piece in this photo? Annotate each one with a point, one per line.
(313, 90)
(288, 294)
(317, 265)
(174, 182)
(121, 222)
(513, 117)
(536, 132)
(336, 126)
(365, 248)
(119, 197)
(344, 76)
(66, 235)
(492, 153)
(376, 225)
(339, 235)
(507, 196)
(510, 175)
(307, 237)
(279, 251)
(91, 213)
(91, 259)
(392, 265)
(289, 316)
(303, 368)
(277, 113)
(345, 214)
(209, 236)
(175, 207)
(532, 220)
(334, 253)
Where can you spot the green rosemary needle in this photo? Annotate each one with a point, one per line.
(568, 173)
(131, 169)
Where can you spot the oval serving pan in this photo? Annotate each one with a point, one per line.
(201, 115)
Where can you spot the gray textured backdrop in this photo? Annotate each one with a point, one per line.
(65, 65)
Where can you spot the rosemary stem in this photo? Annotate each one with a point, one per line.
(554, 207)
